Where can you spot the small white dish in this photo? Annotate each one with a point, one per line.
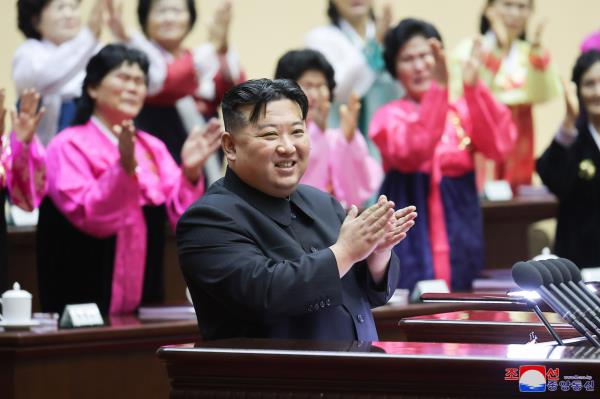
(19, 325)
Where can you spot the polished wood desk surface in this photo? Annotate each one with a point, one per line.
(242, 367)
(484, 317)
(116, 361)
(119, 328)
(530, 208)
(478, 326)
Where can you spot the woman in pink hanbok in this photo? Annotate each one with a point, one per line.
(109, 189)
(21, 165)
(339, 163)
(427, 145)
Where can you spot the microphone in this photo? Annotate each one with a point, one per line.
(576, 277)
(529, 278)
(592, 309)
(579, 307)
(548, 281)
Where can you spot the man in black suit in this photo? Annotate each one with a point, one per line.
(266, 257)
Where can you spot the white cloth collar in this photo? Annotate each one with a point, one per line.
(511, 61)
(354, 37)
(595, 134)
(105, 130)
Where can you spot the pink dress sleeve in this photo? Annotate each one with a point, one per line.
(96, 204)
(492, 129)
(317, 173)
(26, 177)
(355, 174)
(407, 133)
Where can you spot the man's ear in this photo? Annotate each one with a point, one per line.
(228, 144)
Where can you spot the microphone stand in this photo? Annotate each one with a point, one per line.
(536, 309)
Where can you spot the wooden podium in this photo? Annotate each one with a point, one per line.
(316, 370)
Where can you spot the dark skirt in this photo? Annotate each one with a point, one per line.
(464, 227)
(75, 267)
(164, 123)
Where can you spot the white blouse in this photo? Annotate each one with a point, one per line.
(55, 71)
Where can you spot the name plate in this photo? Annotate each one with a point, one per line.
(497, 190)
(81, 315)
(428, 286)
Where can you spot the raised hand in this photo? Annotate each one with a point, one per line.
(470, 68)
(498, 27)
(440, 69)
(2, 113)
(402, 221)
(383, 22)
(96, 18)
(361, 234)
(115, 20)
(320, 112)
(536, 42)
(349, 116)
(198, 147)
(218, 28)
(26, 121)
(571, 106)
(126, 134)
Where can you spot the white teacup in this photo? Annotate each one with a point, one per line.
(16, 305)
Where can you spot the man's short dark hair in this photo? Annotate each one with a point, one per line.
(258, 93)
(399, 35)
(294, 63)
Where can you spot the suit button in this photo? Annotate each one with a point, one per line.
(313, 250)
(322, 304)
(293, 215)
(309, 308)
(328, 302)
(360, 318)
(316, 306)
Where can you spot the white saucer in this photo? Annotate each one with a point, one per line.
(19, 325)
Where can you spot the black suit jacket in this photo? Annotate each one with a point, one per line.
(578, 227)
(249, 276)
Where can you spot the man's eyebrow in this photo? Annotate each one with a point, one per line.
(264, 125)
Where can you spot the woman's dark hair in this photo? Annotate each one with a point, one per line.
(294, 63)
(484, 22)
(335, 16)
(28, 13)
(258, 93)
(584, 62)
(399, 35)
(108, 59)
(144, 7)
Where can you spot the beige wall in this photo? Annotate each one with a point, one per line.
(263, 29)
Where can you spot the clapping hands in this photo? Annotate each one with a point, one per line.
(571, 106)
(373, 232)
(440, 69)
(198, 147)
(218, 27)
(26, 120)
(470, 68)
(349, 116)
(126, 135)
